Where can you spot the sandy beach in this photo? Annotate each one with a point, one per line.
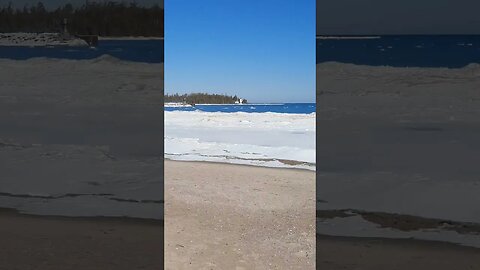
(81, 162)
(396, 158)
(225, 216)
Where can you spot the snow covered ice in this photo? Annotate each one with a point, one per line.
(263, 139)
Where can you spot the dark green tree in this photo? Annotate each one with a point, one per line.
(104, 19)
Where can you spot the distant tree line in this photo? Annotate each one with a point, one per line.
(202, 98)
(104, 19)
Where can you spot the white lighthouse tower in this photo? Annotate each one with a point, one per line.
(65, 34)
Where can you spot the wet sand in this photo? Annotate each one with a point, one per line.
(223, 216)
(39, 242)
(335, 253)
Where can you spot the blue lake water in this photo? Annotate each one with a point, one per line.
(149, 51)
(300, 108)
(402, 51)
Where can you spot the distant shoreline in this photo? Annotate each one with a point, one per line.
(208, 104)
(173, 104)
(130, 38)
(46, 39)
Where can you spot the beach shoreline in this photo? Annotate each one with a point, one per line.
(90, 137)
(238, 164)
(81, 161)
(402, 164)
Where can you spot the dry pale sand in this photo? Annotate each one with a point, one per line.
(39, 242)
(222, 216)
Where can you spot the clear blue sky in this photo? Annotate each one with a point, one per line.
(262, 50)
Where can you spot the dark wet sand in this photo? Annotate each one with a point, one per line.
(38, 242)
(391, 254)
(404, 223)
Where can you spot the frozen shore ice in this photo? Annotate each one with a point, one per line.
(262, 139)
(39, 39)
